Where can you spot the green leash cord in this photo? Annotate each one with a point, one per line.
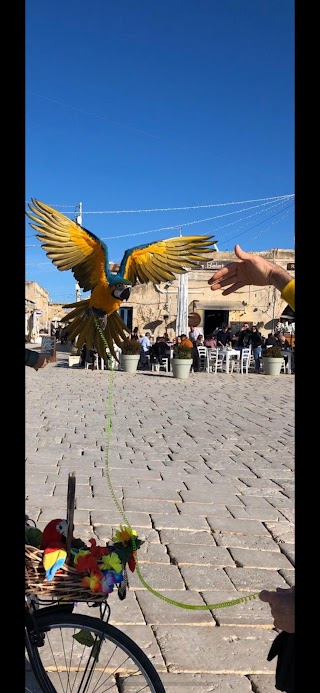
(194, 607)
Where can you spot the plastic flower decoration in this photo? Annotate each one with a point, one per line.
(111, 562)
(103, 567)
(93, 581)
(124, 535)
(108, 581)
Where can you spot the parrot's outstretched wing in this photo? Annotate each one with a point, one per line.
(70, 246)
(162, 260)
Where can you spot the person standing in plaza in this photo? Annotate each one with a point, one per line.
(257, 343)
(145, 349)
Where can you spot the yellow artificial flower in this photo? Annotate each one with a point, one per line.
(124, 534)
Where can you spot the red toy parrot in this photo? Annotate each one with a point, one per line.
(53, 543)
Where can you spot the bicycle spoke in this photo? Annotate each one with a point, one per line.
(81, 654)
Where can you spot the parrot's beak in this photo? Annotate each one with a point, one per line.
(125, 294)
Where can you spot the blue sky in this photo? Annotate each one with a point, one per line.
(147, 104)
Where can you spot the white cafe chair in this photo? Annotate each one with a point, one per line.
(215, 361)
(202, 351)
(241, 365)
(157, 366)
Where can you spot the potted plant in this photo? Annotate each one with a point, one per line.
(181, 361)
(130, 355)
(272, 360)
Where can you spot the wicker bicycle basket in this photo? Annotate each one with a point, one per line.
(66, 584)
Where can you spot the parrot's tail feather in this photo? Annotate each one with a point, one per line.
(87, 327)
(79, 306)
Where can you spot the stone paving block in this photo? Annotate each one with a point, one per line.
(288, 514)
(281, 531)
(146, 640)
(245, 558)
(204, 510)
(253, 612)
(212, 495)
(288, 576)
(262, 683)
(247, 541)
(231, 526)
(182, 522)
(97, 503)
(220, 650)
(157, 611)
(149, 505)
(153, 553)
(43, 463)
(255, 579)
(159, 576)
(177, 537)
(32, 512)
(109, 518)
(208, 683)
(81, 517)
(263, 515)
(123, 613)
(32, 489)
(163, 491)
(254, 502)
(281, 503)
(289, 552)
(201, 578)
(193, 554)
(82, 490)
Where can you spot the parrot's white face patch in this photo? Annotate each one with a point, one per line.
(62, 527)
(119, 289)
(122, 292)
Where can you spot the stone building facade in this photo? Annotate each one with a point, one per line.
(154, 307)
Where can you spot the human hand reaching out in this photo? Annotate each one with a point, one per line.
(282, 605)
(250, 269)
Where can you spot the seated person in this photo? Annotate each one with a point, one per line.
(271, 340)
(224, 337)
(283, 342)
(194, 352)
(158, 350)
(209, 341)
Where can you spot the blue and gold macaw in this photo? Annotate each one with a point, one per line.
(70, 246)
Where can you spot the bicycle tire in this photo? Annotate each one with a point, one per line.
(57, 673)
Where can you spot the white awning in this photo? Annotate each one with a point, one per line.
(236, 305)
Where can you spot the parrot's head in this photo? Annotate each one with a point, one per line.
(55, 531)
(121, 288)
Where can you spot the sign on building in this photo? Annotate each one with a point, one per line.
(213, 264)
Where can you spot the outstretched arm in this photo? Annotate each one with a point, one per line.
(250, 269)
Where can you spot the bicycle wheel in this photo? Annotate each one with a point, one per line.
(109, 661)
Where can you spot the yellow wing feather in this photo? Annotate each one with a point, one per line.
(69, 245)
(162, 260)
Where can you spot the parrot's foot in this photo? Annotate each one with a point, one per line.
(99, 313)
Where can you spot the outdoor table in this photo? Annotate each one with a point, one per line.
(226, 353)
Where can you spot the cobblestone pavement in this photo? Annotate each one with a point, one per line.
(204, 469)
